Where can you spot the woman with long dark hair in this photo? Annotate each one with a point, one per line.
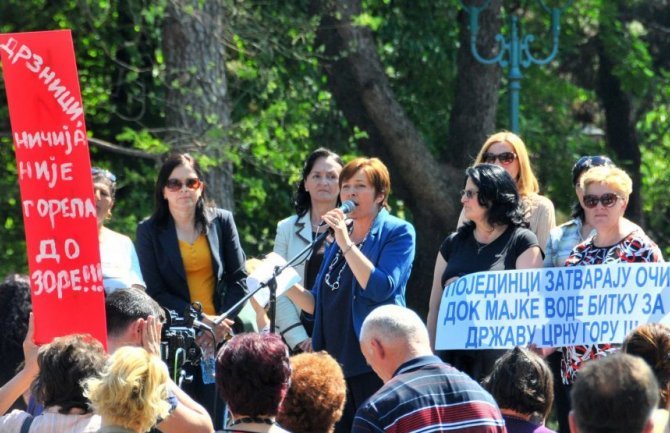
(494, 238)
(189, 252)
(317, 193)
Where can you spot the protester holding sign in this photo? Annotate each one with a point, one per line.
(562, 240)
(318, 192)
(190, 252)
(493, 239)
(364, 268)
(507, 150)
(565, 237)
(120, 266)
(606, 191)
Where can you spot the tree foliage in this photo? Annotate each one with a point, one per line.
(284, 101)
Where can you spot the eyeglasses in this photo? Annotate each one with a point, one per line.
(505, 158)
(608, 200)
(176, 184)
(468, 193)
(97, 171)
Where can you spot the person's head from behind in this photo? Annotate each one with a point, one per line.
(491, 196)
(180, 177)
(126, 312)
(253, 374)
(15, 308)
(390, 336)
(651, 342)
(372, 172)
(104, 190)
(508, 151)
(616, 394)
(131, 391)
(64, 364)
(315, 399)
(582, 165)
(319, 180)
(521, 381)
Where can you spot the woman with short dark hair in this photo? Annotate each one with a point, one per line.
(57, 371)
(253, 375)
(494, 238)
(523, 386)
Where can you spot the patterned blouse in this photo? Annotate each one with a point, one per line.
(636, 247)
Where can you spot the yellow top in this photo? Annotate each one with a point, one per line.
(199, 272)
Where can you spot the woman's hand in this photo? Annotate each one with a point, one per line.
(222, 330)
(306, 345)
(336, 220)
(30, 349)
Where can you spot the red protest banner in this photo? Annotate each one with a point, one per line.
(54, 171)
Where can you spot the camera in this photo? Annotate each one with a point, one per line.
(178, 346)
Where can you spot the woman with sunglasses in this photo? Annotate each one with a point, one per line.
(317, 193)
(118, 258)
(508, 151)
(494, 238)
(189, 252)
(606, 191)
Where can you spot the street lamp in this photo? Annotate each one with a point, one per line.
(514, 51)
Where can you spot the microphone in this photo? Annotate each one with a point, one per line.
(346, 208)
(197, 324)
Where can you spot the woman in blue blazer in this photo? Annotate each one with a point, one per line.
(364, 268)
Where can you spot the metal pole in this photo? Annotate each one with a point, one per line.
(514, 51)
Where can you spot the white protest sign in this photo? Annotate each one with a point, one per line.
(552, 307)
(263, 273)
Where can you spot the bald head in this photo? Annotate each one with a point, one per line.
(394, 325)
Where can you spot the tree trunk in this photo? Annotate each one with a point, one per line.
(620, 130)
(197, 93)
(363, 92)
(473, 117)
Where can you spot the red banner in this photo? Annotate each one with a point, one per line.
(54, 170)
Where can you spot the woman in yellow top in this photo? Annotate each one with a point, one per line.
(190, 251)
(508, 151)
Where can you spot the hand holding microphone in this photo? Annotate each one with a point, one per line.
(335, 219)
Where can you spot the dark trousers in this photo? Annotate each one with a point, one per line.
(206, 395)
(561, 392)
(359, 389)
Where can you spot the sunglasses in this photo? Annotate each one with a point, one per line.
(504, 158)
(608, 200)
(469, 193)
(176, 184)
(95, 171)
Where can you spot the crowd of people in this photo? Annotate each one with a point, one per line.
(347, 354)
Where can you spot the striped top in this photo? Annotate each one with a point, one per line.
(426, 395)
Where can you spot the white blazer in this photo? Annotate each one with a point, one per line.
(293, 235)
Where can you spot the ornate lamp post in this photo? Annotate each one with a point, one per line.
(514, 50)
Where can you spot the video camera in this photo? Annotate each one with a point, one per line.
(178, 345)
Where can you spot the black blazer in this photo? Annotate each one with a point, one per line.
(163, 268)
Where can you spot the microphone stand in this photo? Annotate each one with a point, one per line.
(271, 283)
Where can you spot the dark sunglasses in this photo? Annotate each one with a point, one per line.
(504, 158)
(176, 184)
(469, 193)
(95, 171)
(608, 200)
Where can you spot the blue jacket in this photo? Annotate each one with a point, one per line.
(390, 247)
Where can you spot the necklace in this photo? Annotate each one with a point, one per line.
(336, 285)
(253, 420)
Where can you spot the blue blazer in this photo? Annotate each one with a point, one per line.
(390, 247)
(163, 268)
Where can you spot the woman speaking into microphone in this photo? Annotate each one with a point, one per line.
(368, 265)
